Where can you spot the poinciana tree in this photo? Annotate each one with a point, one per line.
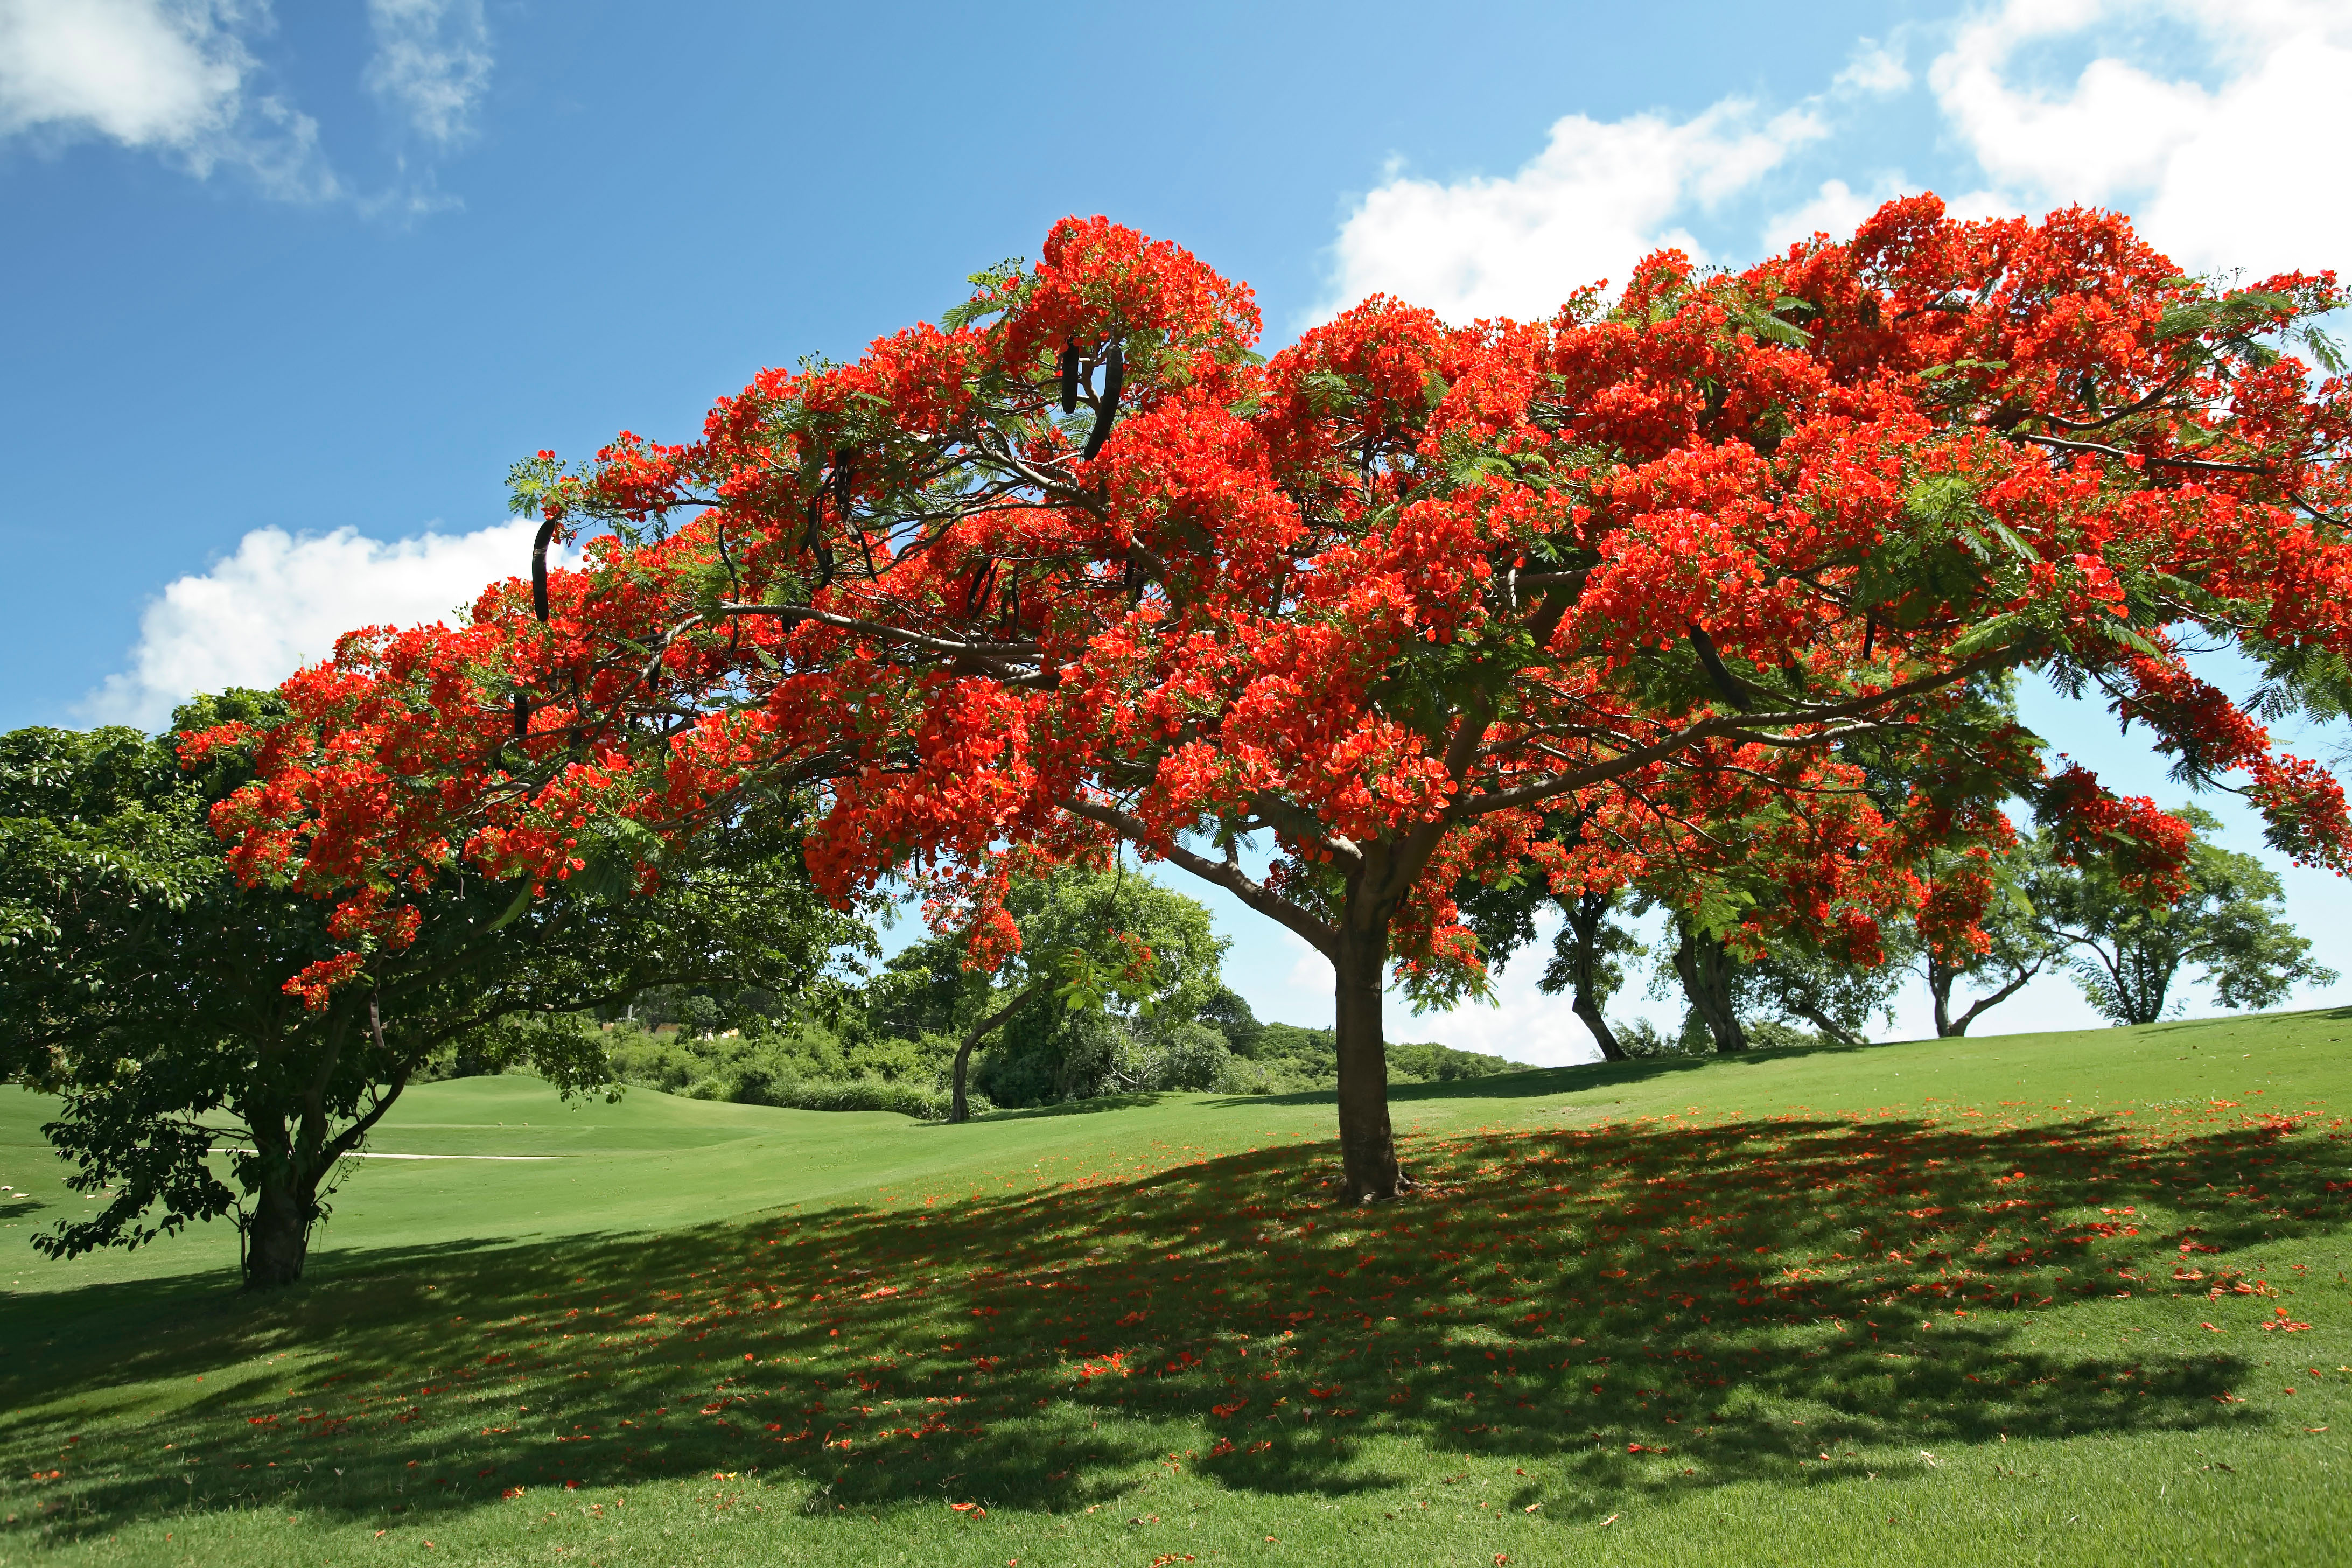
(1075, 567)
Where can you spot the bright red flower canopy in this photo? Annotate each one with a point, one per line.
(1403, 597)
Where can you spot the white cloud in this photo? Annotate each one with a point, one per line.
(1523, 1025)
(432, 63)
(1875, 71)
(1600, 196)
(280, 601)
(2227, 175)
(1836, 209)
(168, 76)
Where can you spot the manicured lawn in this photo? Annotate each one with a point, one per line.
(1991, 1301)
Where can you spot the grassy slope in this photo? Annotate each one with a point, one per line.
(1803, 1308)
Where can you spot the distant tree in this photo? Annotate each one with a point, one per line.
(1228, 1013)
(2128, 951)
(1133, 965)
(1586, 964)
(147, 984)
(1998, 885)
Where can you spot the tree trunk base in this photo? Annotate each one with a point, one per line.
(278, 1238)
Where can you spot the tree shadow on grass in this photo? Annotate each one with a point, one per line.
(1620, 1309)
(1541, 1081)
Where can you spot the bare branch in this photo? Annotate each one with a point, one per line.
(1225, 874)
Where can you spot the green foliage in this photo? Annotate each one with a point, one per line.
(140, 979)
(1294, 1058)
(1132, 968)
(2227, 925)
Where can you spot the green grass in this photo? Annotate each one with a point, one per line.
(1933, 1303)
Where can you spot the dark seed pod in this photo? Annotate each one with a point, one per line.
(1070, 379)
(975, 593)
(521, 716)
(1114, 378)
(539, 569)
(813, 541)
(1712, 662)
(844, 463)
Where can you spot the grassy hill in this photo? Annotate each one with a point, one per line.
(1997, 1299)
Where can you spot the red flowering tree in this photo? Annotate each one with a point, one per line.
(1076, 567)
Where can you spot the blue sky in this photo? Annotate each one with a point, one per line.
(286, 289)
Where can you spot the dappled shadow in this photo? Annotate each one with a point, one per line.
(1552, 1080)
(1745, 1297)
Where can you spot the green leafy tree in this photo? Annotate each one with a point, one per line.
(1132, 964)
(1587, 963)
(147, 986)
(2128, 955)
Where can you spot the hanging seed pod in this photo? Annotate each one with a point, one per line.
(539, 569)
(521, 715)
(1712, 662)
(816, 542)
(843, 463)
(976, 592)
(1070, 378)
(1114, 378)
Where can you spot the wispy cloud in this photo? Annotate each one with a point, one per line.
(185, 80)
(432, 64)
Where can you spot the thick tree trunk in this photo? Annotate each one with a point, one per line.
(1588, 1012)
(277, 1237)
(1706, 969)
(1367, 1147)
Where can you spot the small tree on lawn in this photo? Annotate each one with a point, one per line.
(203, 1075)
(2225, 921)
(1073, 567)
(1997, 882)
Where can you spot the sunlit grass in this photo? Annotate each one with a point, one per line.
(1783, 1310)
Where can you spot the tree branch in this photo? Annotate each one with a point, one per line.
(1224, 874)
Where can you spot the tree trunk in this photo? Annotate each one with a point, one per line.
(277, 1237)
(1940, 976)
(1706, 970)
(1588, 1012)
(1359, 966)
(1586, 916)
(958, 1104)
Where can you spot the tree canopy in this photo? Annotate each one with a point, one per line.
(1075, 567)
